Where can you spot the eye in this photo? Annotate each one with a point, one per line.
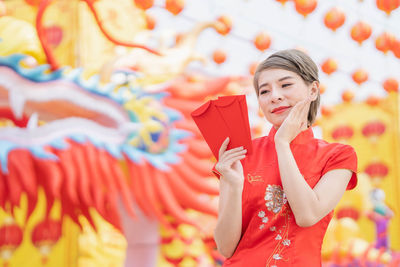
(286, 85)
(263, 92)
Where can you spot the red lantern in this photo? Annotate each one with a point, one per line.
(384, 42)
(253, 67)
(342, 133)
(387, 5)
(359, 76)
(45, 235)
(326, 111)
(348, 212)
(144, 4)
(347, 96)
(376, 171)
(219, 56)
(322, 88)
(53, 35)
(391, 85)
(174, 6)
(262, 41)
(396, 48)
(305, 7)
(334, 18)
(150, 22)
(360, 32)
(225, 26)
(373, 130)
(373, 100)
(283, 2)
(329, 66)
(10, 238)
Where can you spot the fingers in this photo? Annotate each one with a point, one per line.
(223, 147)
(229, 154)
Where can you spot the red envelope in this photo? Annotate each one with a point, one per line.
(226, 116)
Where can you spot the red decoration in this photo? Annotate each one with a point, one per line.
(334, 18)
(373, 130)
(262, 41)
(219, 56)
(144, 4)
(391, 85)
(53, 35)
(348, 212)
(326, 111)
(225, 26)
(322, 88)
(373, 100)
(283, 2)
(10, 238)
(377, 170)
(384, 42)
(45, 235)
(347, 96)
(396, 48)
(33, 2)
(253, 67)
(329, 66)
(150, 22)
(342, 133)
(360, 32)
(359, 76)
(305, 7)
(174, 6)
(387, 5)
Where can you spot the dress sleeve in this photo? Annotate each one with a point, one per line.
(343, 157)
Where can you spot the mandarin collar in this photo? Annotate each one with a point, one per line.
(302, 138)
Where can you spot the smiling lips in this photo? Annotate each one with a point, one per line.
(280, 109)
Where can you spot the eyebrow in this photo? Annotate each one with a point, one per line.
(281, 79)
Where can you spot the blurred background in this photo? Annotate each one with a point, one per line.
(101, 162)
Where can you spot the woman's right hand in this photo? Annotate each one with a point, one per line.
(229, 165)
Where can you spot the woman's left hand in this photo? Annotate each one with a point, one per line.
(295, 123)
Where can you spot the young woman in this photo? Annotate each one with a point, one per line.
(276, 203)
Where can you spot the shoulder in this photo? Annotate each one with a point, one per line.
(333, 148)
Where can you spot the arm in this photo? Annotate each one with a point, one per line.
(229, 225)
(309, 205)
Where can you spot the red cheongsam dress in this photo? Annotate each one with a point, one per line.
(270, 236)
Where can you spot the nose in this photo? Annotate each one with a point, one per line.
(276, 95)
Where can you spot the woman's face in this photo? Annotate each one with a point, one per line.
(279, 91)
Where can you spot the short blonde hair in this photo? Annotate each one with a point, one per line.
(295, 61)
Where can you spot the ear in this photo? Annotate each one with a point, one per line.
(314, 91)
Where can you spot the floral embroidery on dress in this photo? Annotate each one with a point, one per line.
(275, 201)
(275, 198)
(264, 219)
